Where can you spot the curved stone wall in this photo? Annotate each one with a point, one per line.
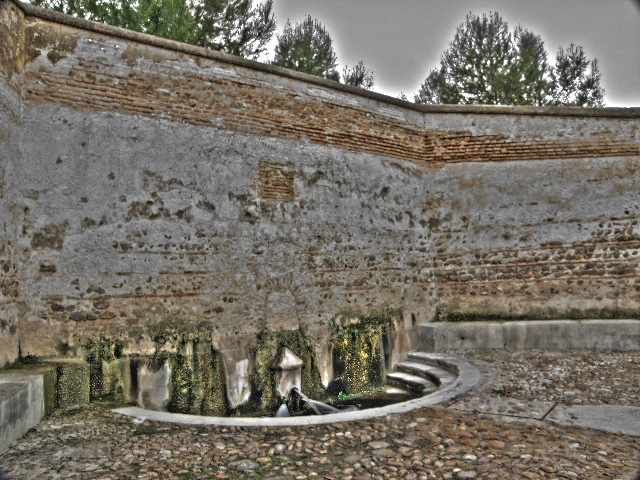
(152, 190)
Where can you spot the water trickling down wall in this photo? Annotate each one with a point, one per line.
(153, 193)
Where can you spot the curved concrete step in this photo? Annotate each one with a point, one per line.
(413, 382)
(442, 360)
(438, 375)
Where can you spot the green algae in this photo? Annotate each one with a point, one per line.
(357, 350)
(214, 399)
(263, 380)
(197, 381)
(110, 377)
(73, 385)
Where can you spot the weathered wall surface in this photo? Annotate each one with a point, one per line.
(11, 64)
(162, 188)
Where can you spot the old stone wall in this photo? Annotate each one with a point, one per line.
(11, 65)
(152, 190)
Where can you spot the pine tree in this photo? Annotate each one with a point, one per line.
(307, 48)
(231, 26)
(235, 26)
(358, 76)
(487, 64)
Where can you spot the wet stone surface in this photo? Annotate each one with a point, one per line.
(431, 443)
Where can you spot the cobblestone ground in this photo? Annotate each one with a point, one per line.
(430, 443)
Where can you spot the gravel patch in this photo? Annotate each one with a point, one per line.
(576, 377)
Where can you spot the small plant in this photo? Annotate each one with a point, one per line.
(346, 396)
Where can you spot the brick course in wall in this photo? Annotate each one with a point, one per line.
(256, 107)
(275, 182)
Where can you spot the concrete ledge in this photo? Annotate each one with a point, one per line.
(468, 377)
(21, 406)
(616, 335)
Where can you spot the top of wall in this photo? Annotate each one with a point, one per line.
(117, 32)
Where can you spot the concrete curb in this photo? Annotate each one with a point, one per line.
(468, 377)
(618, 335)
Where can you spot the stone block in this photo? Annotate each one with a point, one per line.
(49, 381)
(21, 406)
(111, 380)
(73, 389)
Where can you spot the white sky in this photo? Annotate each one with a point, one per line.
(401, 40)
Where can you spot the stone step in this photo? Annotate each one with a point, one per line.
(412, 382)
(438, 375)
(436, 359)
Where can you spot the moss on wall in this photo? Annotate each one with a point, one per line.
(109, 376)
(357, 350)
(263, 381)
(214, 398)
(184, 384)
(197, 380)
(115, 382)
(73, 389)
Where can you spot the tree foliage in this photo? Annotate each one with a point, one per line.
(235, 26)
(307, 48)
(358, 76)
(487, 64)
(576, 80)
(231, 26)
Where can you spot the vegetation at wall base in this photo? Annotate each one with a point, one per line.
(263, 381)
(357, 350)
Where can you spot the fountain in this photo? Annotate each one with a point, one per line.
(321, 408)
(195, 373)
(288, 367)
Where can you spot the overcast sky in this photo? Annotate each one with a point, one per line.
(401, 40)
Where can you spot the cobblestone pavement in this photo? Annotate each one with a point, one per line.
(430, 443)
